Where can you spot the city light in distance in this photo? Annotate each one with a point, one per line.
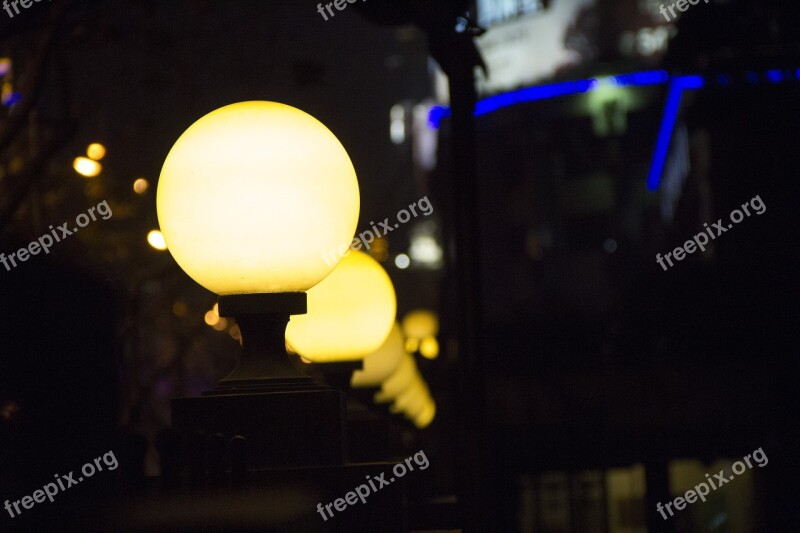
(96, 151)
(156, 239)
(86, 167)
(140, 186)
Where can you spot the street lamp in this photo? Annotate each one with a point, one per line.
(350, 313)
(247, 198)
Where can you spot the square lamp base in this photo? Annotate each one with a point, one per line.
(302, 428)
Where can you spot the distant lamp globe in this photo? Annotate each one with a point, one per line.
(380, 364)
(420, 323)
(350, 313)
(401, 379)
(427, 415)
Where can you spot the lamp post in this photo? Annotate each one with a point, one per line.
(248, 197)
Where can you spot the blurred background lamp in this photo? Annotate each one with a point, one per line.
(402, 378)
(426, 416)
(88, 168)
(140, 186)
(420, 323)
(412, 400)
(156, 239)
(429, 348)
(350, 312)
(96, 151)
(380, 364)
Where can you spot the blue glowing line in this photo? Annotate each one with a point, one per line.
(676, 88)
(677, 84)
(550, 90)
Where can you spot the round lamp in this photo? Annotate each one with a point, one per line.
(251, 194)
(380, 364)
(412, 400)
(420, 323)
(350, 313)
(427, 415)
(400, 380)
(247, 199)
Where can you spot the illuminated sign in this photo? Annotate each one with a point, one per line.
(491, 12)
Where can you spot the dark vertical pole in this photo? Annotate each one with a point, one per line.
(476, 493)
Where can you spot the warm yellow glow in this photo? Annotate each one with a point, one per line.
(403, 377)
(380, 364)
(235, 332)
(140, 186)
(420, 323)
(156, 239)
(426, 417)
(350, 312)
(412, 344)
(180, 308)
(86, 167)
(222, 325)
(252, 194)
(211, 318)
(429, 348)
(96, 151)
(411, 399)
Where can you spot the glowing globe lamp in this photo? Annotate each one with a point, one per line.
(400, 380)
(412, 400)
(251, 194)
(247, 198)
(380, 364)
(427, 415)
(350, 313)
(420, 323)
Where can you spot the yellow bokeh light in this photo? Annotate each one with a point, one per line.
(251, 195)
(420, 323)
(222, 325)
(380, 364)
(412, 400)
(350, 312)
(96, 151)
(429, 348)
(211, 318)
(426, 416)
(412, 344)
(403, 377)
(156, 239)
(87, 167)
(179, 308)
(140, 186)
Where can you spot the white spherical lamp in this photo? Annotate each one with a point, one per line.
(251, 194)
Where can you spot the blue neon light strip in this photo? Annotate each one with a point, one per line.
(551, 90)
(677, 84)
(676, 87)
